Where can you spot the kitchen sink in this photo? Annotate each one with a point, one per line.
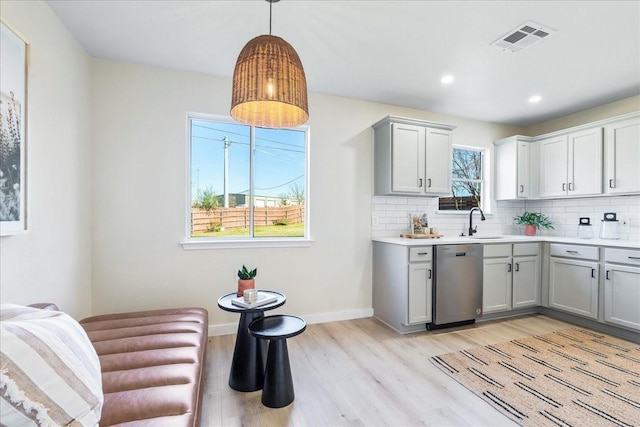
(488, 237)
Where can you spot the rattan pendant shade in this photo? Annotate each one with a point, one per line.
(269, 85)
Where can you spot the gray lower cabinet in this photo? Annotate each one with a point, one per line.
(573, 279)
(420, 292)
(511, 277)
(526, 281)
(622, 288)
(402, 286)
(496, 278)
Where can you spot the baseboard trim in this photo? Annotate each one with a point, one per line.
(224, 329)
(334, 316)
(508, 314)
(593, 324)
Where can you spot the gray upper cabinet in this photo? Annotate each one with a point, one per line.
(585, 162)
(571, 165)
(553, 166)
(594, 159)
(412, 157)
(516, 168)
(622, 151)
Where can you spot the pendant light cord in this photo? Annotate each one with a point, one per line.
(270, 6)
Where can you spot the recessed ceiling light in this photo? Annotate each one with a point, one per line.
(447, 79)
(535, 98)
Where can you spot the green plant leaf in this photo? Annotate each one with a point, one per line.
(533, 218)
(245, 274)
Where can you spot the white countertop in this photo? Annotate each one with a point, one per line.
(508, 239)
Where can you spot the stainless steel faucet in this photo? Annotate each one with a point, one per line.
(482, 218)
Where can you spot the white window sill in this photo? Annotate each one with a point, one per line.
(198, 244)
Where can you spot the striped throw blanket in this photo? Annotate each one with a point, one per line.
(49, 371)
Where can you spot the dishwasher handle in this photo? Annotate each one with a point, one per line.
(443, 252)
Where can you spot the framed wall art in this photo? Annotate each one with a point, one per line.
(14, 67)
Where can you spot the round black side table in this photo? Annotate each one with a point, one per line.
(278, 383)
(249, 354)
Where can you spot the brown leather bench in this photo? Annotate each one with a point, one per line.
(152, 365)
(143, 368)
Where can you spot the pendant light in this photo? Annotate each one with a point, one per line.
(269, 85)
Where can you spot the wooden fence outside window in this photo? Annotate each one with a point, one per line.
(457, 203)
(230, 218)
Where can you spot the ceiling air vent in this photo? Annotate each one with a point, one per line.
(522, 37)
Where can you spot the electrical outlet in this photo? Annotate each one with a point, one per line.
(626, 223)
(374, 220)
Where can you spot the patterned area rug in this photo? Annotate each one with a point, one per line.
(572, 377)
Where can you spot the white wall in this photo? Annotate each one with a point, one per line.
(53, 261)
(139, 135)
(617, 108)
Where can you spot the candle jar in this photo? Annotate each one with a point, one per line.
(250, 296)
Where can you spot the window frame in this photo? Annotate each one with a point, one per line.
(194, 243)
(485, 185)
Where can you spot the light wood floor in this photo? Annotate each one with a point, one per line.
(362, 373)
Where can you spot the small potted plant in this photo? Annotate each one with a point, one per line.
(533, 221)
(246, 279)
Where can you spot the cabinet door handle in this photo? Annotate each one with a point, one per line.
(429, 182)
(522, 188)
(509, 268)
(564, 187)
(634, 257)
(429, 276)
(517, 266)
(593, 273)
(423, 253)
(611, 184)
(607, 275)
(571, 186)
(420, 182)
(573, 252)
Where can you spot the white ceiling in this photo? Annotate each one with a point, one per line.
(392, 52)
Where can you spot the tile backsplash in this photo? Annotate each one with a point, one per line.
(390, 216)
(565, 214)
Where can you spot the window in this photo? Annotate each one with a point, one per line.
(246, 183)
(467, 183)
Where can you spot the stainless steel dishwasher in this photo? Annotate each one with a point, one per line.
(457, 289)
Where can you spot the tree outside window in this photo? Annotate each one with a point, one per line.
(466, 181)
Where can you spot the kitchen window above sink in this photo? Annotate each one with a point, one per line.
(467, 181)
